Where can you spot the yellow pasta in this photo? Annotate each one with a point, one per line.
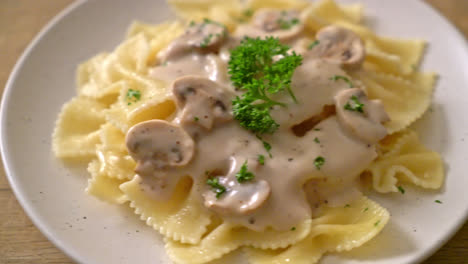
(327, 12)
(332, 13)
(124, 115)
(115, 164)
(334, 230)
(226, 238)
(404, 100)
(181, 218)
(226, 12)
(277, 4)
(104, 187)
(159, 36)
(405, 159)
(77, 130)
(94, 77)
(112, 138)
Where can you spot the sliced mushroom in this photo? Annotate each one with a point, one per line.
(360, 116)
(203, 102)
(157, 144)
(283, 24)
(240, 198)
(203, 37)
(209, 66)
(339, 45)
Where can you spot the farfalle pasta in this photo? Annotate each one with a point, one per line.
(248, 127)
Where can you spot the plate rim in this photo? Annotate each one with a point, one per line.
(28, 206)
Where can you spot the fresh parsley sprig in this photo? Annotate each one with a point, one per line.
(261, 68)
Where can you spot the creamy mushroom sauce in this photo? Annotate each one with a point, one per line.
(209, 143)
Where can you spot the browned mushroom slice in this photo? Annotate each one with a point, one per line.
(202, 100)
(157, 144)
(206, 36)
(239, 199)
(360, 116)
(283, 24)
(339, 45)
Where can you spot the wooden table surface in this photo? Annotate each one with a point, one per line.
(20, 241)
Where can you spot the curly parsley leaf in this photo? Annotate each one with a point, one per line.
(253, 117)
(261, 68)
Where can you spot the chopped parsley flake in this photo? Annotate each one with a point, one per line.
(318, 162)
(248, 13)
(313, 44)
(287, 24)
(293, 228)
(266, 145)
(196, 119)
(252, 68)
(377, 223)
(244, 175)
(133, 96)
(206, 41)
(347, 206)
(400, 189)
(354, 105)
(438, 201)
(261, 159)
(365, 210)
(316, 129)
(316, 140)
(209, 21)
(344, 78)
(216, 186)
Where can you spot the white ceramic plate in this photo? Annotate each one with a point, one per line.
(91, 231)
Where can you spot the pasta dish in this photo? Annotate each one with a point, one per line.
(254, 127)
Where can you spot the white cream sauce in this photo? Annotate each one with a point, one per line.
(290, 185)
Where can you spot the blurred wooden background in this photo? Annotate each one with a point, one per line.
(20, 241)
